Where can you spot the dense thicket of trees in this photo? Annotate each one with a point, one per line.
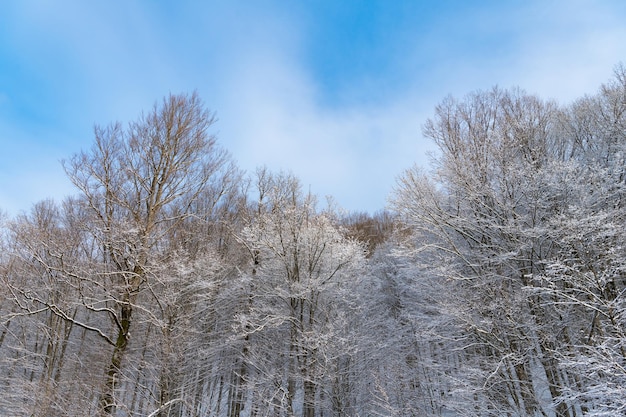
(173, 284)
(522, 218)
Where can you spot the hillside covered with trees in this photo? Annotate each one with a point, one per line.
(174, 284)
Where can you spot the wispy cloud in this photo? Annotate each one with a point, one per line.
(273, 117)
(345, 131)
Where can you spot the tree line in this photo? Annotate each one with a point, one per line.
(174, 284)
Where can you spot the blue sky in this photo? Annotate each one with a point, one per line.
(334, 91)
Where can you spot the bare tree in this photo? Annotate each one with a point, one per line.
(296, 321)
(481, 213)
(138, 187)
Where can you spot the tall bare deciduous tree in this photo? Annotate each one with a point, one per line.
(520, 220)
(140, 187)
(481, 212)
(296, 319)
(139, 184)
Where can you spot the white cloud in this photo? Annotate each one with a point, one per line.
(351, 153)
(248, 63)
(579, 45)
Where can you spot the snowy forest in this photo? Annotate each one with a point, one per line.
(173, 284)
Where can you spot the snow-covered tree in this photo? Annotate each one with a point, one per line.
(101, 267)
(480, 215)
(296, 324)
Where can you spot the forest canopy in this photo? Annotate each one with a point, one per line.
(174, 284)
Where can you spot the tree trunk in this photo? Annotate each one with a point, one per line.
(107, 399)
(309, 399)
